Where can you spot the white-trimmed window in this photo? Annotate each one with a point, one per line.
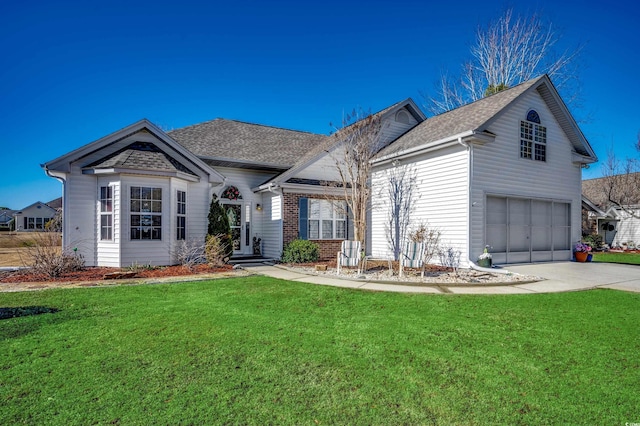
(106, 213)
(327, 220)
(146, 213)
(181, 211)
(533, 138)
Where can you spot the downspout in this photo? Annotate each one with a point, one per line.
(472, 264)
(63, 181)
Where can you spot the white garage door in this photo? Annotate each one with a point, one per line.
(522, 230)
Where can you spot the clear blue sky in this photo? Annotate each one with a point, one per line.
(73, 72)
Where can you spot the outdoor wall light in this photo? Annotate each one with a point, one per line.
(259, 207)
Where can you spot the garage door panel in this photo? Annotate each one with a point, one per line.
(526, 230)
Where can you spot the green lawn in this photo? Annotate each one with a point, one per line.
(262, 351)
(608, 257)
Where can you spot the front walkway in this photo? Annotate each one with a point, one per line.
(559, 277)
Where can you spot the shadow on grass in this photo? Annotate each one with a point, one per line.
(24, 311)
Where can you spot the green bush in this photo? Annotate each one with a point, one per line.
(594, 240)
(301, 251)
(219, 226)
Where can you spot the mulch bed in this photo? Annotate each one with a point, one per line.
(101, 273)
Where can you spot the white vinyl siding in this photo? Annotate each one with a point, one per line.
(441, 201)
(628, 229)
(325, 167)
(499, 170)
(271, 225)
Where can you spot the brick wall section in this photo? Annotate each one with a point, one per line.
(328, 248)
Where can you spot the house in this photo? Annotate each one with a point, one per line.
(6, 215)
(34, 217)
(619, 226)
(503, 171)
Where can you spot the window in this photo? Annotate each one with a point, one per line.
(146, 213)
(181, 223)
(327, 220)
(533, 138)
(106, 213)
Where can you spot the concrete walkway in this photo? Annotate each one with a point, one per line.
(559, 277)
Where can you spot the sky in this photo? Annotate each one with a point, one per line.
(73, 72)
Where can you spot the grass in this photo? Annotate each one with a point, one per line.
(608, 257)
(263, 351)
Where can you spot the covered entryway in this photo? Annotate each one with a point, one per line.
(523, 230)
(239, 214)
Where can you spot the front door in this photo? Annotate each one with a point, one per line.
(235, 213)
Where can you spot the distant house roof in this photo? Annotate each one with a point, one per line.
(222, 142)
(55, 204)
(596, 189)
(475, 117)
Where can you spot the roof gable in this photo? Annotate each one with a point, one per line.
(474, 119)
(140, 156)
(319, 151)
(173, 154)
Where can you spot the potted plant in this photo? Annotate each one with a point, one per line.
(484, 260)
(582, 251)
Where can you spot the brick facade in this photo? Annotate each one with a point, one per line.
(328, 248)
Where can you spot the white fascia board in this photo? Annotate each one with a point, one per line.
(312, 189)
(117, 170)
(577, 158)
(63, 162)
(442, 143)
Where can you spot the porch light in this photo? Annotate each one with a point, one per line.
(259, 207)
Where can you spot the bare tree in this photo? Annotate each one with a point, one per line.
(399, 196)
(359, 139)
(620, 184)
(509, 51)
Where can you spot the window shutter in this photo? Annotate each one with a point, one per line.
(303, 218)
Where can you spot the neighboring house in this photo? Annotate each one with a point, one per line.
(617, 226)
(34, 217)
(503, 171)
(5, 218)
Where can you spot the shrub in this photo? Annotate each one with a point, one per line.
(47, 258)
(450, 258)
(215, 250)
(190, 253)
(301, 251)
(594, 240)
(431, 239)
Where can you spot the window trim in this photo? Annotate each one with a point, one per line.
(322, 220)
(106, 202)
(181, 215)
(533, 138)
(155, 217)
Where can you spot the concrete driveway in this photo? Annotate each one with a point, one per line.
(567, 276)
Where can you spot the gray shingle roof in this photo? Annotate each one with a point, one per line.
(624, 188)
(140, 155)
(468, 117)
(224, 142)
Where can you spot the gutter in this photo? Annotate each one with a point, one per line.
(398, 155)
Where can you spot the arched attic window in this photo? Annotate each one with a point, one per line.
(533, 138)
(231, 193)
(402, 116)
